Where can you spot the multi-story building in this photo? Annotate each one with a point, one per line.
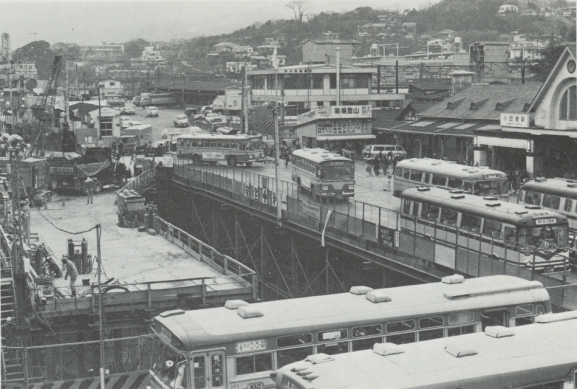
(102, 50)
(490, 58)
(111, 88)
(230, 103)
(307, 87)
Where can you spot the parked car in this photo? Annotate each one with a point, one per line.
(216, 119)
(151, 111)
(127, 110)
(180, 121)
(371, 151)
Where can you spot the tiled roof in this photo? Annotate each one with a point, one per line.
(512, 98)
(385, 116)
(432, 86)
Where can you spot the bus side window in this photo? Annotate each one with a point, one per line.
(471, 223)
(449, 217)
(416, 175)
(510, 235)
(550, 201)
(406, 174)
(455, 183)
(492, 228)
(568, 205)
(199, 373)
(439, 180)
(416, 209)
(399, 172)
(427, 178)
(430, 212)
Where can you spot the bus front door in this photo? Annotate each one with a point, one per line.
(208, 370)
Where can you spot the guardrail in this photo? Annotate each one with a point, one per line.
(366, 226)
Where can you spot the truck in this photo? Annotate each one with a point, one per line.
(135, 138)
(69, 170)
(130, 208)
(33, 178)
(158, 99)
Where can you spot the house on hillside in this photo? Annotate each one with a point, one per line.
(507, 9)
(224, 47)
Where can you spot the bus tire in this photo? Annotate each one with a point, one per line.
(248, 164)
(232, 161)
(196, 159)
(97, 186)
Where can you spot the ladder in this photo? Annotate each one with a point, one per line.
(12, 365)
(7, 299)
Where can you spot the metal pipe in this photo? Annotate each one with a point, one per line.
(100, 313)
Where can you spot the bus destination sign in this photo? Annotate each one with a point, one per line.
(250, 346)
(549, 220)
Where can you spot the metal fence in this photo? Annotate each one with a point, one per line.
(75, 360)
(366, 226)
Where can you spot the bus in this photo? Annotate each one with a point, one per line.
(455, 228)
(481, 181)
(556, 194)
(213, 148)
(538, 356)
(323, 174)
(237, 346)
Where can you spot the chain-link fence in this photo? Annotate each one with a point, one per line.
(75, 360)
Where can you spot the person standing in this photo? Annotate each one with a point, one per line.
(376, 165)
(369, 168)
(89, 190)
(70, 270)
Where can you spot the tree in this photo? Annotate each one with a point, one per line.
(543, 67)
(134, 48)
(298, 9)
(38, 52)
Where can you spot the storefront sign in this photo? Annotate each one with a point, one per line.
(519, 120)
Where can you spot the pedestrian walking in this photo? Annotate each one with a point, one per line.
(89, 190)
(369, 168)
(70, 269)
(376, 166)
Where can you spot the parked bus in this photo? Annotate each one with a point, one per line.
(323, 174)
(539, 356)
(237, 346)
(556, 194)
(213, 148)
(481, 181)
(454, 227)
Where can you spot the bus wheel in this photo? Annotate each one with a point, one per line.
(232, 161)
(196, 159)
(97, 186)
(248, 164)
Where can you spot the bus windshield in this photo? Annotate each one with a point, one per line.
(168, 365)
(547, 238)
(337, 172)
(485, 188)
(248, 146)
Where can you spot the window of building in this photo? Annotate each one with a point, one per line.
(317, 81)
(333, 79)
(430, 212)
(568, 106)
(429, 322)
(105, 127)
(398, 326)
(257, 82)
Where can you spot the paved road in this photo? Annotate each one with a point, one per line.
(164, 119)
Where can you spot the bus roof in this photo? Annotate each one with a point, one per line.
(319, 155)
(449, 168)
(216, 326)
(490, 207)
(216, 136)
(497, 358)
(555, 186)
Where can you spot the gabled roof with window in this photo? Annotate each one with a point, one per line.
(484, 102)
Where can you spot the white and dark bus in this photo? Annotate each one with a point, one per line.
(480, 181)
(238, 346)
(214, 147)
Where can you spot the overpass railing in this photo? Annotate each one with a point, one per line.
(365, 226)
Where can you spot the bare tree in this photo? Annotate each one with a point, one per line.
(298, 9)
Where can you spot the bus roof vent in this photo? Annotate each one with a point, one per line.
(572, 185)
(532, 207)
(499, 331)
(385, 349)
(459, 352)
(358, 290)
(314, 152)
(435, 163)
(493, 205)
(454, 279)
(458, 197)
(423, 188)
(555, 317)
(456, 191)
(235, 304)
(299, 366)
(378, 296)
(172, 313)
(310, 377)
(490, 198)
(540, 179)
(319, 358)
(471, 170)
(521, 212)
(249, 312)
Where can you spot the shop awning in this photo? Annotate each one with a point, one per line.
(345, 137)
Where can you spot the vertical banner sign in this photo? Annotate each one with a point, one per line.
(386, 237)
(246, 190)
(6, 46)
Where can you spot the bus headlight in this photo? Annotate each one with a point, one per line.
(351, 187)
(325, 187)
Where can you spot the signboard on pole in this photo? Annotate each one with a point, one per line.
(387, 237)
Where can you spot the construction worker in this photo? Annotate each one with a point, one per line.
(70, 268)
(9, 332)
(89, 190)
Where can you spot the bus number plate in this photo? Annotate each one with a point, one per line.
(541, 222)
(256, 385)
(247, 347)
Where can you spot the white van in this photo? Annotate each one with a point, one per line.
(371, 151)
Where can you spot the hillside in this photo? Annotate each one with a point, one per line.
(472, 20)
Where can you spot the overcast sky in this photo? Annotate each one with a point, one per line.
(118, 21)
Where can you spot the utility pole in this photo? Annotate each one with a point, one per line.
(242, 116)
(276, 163)
(338, 76)
(76, 80)
(100, 310)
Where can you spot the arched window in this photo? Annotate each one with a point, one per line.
(568, 107)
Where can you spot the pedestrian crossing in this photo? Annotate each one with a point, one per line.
(137, 380)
